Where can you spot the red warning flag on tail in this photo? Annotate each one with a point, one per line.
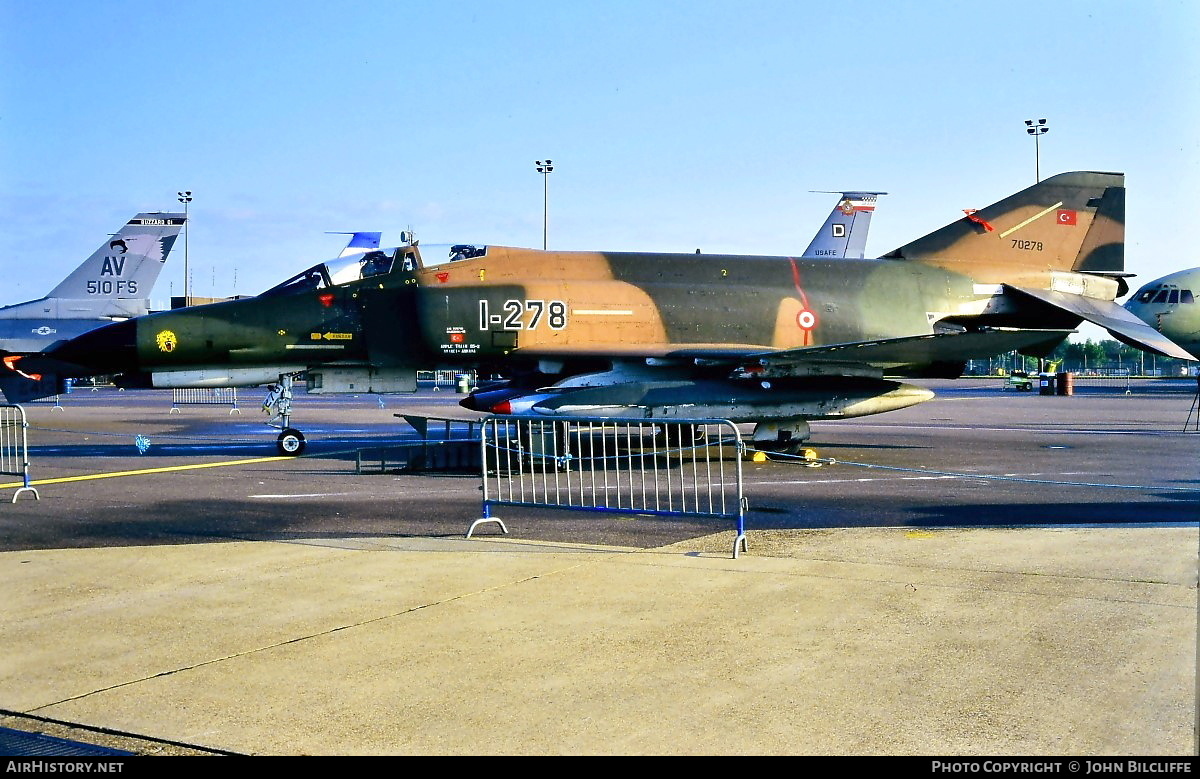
(970, 212)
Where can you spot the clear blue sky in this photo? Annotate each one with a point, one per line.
(672, 125)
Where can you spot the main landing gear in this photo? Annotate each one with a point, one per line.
(278, 402)
(781, 437)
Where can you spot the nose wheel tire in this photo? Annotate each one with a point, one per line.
(290, 442)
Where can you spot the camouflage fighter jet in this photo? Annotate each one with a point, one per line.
(774, 341)
(1169, 306)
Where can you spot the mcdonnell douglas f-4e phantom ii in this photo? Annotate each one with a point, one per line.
(774, 341)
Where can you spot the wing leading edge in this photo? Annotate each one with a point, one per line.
(918, 350)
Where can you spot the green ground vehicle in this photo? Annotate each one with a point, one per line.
(1019, 381)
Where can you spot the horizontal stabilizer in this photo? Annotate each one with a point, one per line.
(20, 389)
(1112, 317)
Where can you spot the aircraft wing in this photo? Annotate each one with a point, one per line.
(666, 351)
(948, 347)
(1113, 317)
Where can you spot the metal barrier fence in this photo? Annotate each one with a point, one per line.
(205, 396)
(54, 401)
(1118, 381)
(1193, 416)
(14, 447)
(460, 380)
(678, 468)
(455, 448)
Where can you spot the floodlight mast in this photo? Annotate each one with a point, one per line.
(1037, 130)
(545, 167)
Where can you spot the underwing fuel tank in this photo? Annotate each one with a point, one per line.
(506, 400)
(736, 400)
(211, 377)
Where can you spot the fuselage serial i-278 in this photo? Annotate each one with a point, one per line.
(774, 341)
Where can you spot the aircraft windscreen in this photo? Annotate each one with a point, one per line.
(1164, 293)
(343, 270)
(439, 254)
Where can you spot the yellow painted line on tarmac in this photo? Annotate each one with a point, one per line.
(168, 469)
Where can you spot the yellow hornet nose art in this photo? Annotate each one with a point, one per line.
(166, 341)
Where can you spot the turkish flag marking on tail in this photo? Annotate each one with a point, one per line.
(1066, 216)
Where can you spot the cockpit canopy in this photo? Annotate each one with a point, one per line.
(342, 270)
(1164, 293)
(439, 254)
(379, 262)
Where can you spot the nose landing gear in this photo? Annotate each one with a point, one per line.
(278, 402)
(290, 442)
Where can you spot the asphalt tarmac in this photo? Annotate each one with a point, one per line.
(986, 573)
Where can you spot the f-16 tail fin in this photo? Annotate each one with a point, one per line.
(1069, 222)
(844, 233)
(359, 243)
(116, 280)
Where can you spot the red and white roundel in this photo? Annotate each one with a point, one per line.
(806, 319)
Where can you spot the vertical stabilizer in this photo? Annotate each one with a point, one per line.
(359, 243)
(116, 280)
(1103, 250)
(844, 233)
(1072, 221)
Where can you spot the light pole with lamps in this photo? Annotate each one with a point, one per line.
(1037, 131)
(545, 168)
(185, 198)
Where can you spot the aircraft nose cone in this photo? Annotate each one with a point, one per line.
(108, 349)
